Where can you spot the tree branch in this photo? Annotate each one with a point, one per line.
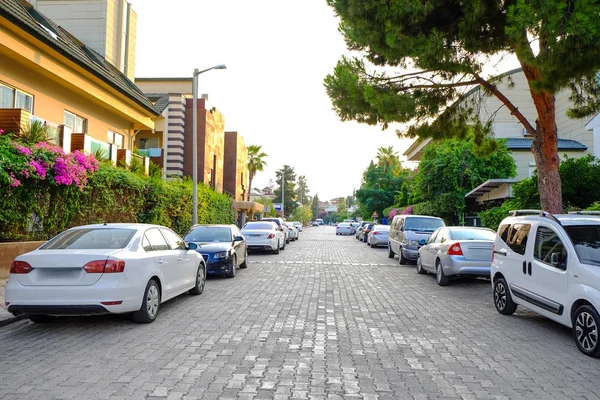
(513, 110)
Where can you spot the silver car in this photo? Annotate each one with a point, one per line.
(343, 228)
(457, 250)
(379, 236)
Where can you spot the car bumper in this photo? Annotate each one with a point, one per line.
(218, 267)
(261, 245)
(458, 265)
(411, 254)
(74, 300)
(379, 242)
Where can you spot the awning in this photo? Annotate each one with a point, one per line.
(488, 186)
(248, 206)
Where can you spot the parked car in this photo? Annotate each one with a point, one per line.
(550, 264)
(406, 232)
(319, 221)
(360, 228)
(378, 236)
(292, 231)
(102, 269)
(298, 225)
(264, 235)
(343, 228)
(364, 233)
(280, 223)
(314, 223)
(222, 246)
(355, 226)
(457, 250)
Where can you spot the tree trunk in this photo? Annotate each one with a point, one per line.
(250, 185)
(545, 152)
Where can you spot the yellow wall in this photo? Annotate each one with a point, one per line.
(50, 100)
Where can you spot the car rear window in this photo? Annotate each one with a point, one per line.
(209, 234)
(586, 240)
(422, 224)
(259, 225)
(90, 239)
(472, 234)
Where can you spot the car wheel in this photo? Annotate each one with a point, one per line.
(276, 251)
(41, 318)
(391, 253)
(585, 330)
(287, 241)
(502, 299)
(150, 304)
(403, 260)
(420, 268)
(283, 247)
(200, 281)
(440, 277)
(245, 263)
(233, 267)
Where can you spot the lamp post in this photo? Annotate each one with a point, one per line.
(195, 139)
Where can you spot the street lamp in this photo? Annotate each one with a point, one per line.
(195, 139)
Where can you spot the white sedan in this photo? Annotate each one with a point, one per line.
(104, 268)
(264, 235)
(344, 228)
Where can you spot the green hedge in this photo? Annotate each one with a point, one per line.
(38, 210)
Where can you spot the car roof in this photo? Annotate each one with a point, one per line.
(211, 225)
(122, 225)
(563, 219)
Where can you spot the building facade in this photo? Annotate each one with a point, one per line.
(49, 75)
(235, 166)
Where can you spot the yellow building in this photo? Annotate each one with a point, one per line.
(48, 74)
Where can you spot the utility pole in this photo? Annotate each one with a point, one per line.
(283, 193)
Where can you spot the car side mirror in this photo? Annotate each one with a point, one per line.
(192, 246)
(422, 242)
(556, 259)
(238, 239)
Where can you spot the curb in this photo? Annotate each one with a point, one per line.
(10, 320)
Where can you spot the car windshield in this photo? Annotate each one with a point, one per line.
(278, 222)
(90, 239)
(343, 225)
(206, 234)
(586, 239)
(422, 224)
(472, 234)
(259, 225)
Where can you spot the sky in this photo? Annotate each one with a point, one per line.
(277, 53)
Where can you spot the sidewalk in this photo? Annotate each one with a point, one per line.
(5, 316)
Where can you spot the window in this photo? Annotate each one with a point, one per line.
(115, 138)
(148, 143)
(517, 237)
(100, 149)
(156, 240)
(547, 242)
(432, 237)
(75, 122)
(174, 241)
(91, 239)
(15, 98)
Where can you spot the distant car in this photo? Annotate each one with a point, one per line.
(292, 231)
(280, 222)
(378, 236)
(319, 221)
(222, 246)
(457, 250)
(103, 269)
(355, 226)
(343, 228)
(298, 225)
(362, 236)
(360, 228)
(314, 223)
(264, 235)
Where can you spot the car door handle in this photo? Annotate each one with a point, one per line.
(501, 252)
(178, 258)
(524, 267)
(160, 261)
(529, 268)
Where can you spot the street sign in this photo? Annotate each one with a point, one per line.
(267, 208)
(375, 215)
(277, 206)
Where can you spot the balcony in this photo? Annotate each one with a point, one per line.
(155, 154)
(13, 120)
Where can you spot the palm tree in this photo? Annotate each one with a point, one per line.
(256, 163)
(387, 157)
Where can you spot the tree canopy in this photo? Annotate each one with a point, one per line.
(256, 163)
(418, 58)
(286, 177)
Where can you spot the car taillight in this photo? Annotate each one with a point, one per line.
(376, 233)
(20, 267)
(104, 266)
(455, 250)
(271, 236)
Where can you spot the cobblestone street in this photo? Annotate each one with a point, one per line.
(327, 318)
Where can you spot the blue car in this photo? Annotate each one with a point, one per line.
(222, 246)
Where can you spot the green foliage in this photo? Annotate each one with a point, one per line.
(266, 202)
(256, 163)
(491, 218)
(287, 177)
(39, 210)
(449, 170)
(594, 207)
(303, 214)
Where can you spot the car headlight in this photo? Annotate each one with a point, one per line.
(412, 244)
(220, 255)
